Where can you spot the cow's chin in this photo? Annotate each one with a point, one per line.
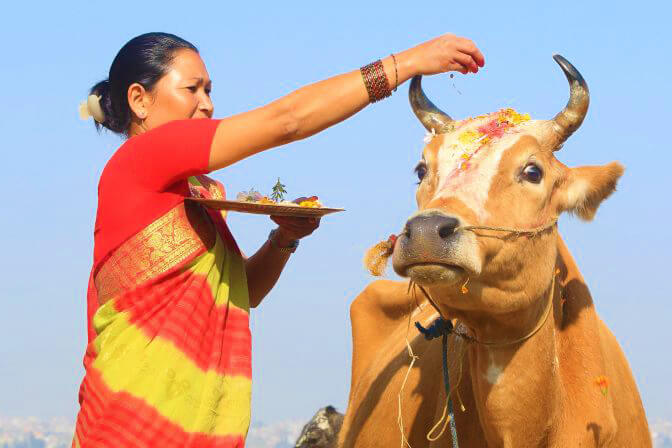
(428, 274)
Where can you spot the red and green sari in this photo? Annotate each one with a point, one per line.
(168, 360)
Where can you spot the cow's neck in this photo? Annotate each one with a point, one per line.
(516, 387)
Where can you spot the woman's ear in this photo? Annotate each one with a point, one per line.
(138, 99)
(586, 187)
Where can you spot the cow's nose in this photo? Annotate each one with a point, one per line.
(431, 225)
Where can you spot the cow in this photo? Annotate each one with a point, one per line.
(322, 430)
(530, 363)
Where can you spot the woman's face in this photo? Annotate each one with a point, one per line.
(182, 93)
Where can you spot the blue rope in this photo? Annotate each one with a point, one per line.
(442, 328)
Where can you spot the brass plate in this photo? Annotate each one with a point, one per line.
(265, 209)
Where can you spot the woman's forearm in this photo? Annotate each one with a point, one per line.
(299, 114)
(263, 270)
(315, 107)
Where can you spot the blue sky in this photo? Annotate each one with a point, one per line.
(257, 51)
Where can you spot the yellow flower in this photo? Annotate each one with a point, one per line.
(603, 382)
(517, 118)
(468, 137)
(512, 116)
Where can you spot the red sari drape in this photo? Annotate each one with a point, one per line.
(168, 359)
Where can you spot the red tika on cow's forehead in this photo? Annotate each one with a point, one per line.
(469, 156)
(488, 128)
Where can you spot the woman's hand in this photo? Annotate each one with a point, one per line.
(291, 228)
(443, 54)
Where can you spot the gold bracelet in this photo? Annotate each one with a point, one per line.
(396, 74)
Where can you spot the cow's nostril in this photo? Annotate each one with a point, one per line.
(431, 226)
(447, 227)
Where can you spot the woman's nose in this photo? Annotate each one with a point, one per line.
(207, 106)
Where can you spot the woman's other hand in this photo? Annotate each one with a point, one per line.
(293, 228)
(445, 53)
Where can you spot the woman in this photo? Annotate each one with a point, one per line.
(168, 359)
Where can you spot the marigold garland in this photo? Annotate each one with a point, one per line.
(603, 382)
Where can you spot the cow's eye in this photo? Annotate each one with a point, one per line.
(421, 170)
(532, 173)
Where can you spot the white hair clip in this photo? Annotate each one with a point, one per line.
(91, 108)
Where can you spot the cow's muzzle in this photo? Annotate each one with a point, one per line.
(431, 249)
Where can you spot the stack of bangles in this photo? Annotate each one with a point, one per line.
(376, 82)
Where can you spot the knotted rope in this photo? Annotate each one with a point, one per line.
(442, 328)
(376, 258)
(533, 232)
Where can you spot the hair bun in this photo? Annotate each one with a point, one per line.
(97, 101)
(92, 108)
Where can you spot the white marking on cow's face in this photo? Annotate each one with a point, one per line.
(468, 160)
(494, 372)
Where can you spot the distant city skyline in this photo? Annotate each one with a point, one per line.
(31, 432)
(57, 433)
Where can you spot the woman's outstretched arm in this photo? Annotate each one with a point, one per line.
(315, 107)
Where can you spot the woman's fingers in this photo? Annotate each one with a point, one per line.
(466, 61)
(294, 221)
(467, 46)
(446, 53)
(298, 227)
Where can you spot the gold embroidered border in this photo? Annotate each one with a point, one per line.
(156, 249)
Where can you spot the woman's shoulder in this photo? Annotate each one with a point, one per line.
(161, 155)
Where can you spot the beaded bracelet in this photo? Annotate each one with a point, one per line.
(375, 80)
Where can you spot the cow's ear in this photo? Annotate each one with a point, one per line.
(585, 187)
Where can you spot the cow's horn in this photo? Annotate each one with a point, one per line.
(570, 118)
(429, 115)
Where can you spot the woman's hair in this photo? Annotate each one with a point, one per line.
(144, 59)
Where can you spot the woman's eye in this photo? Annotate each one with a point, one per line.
(532, 173)
(421, 171)
(193, 89)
